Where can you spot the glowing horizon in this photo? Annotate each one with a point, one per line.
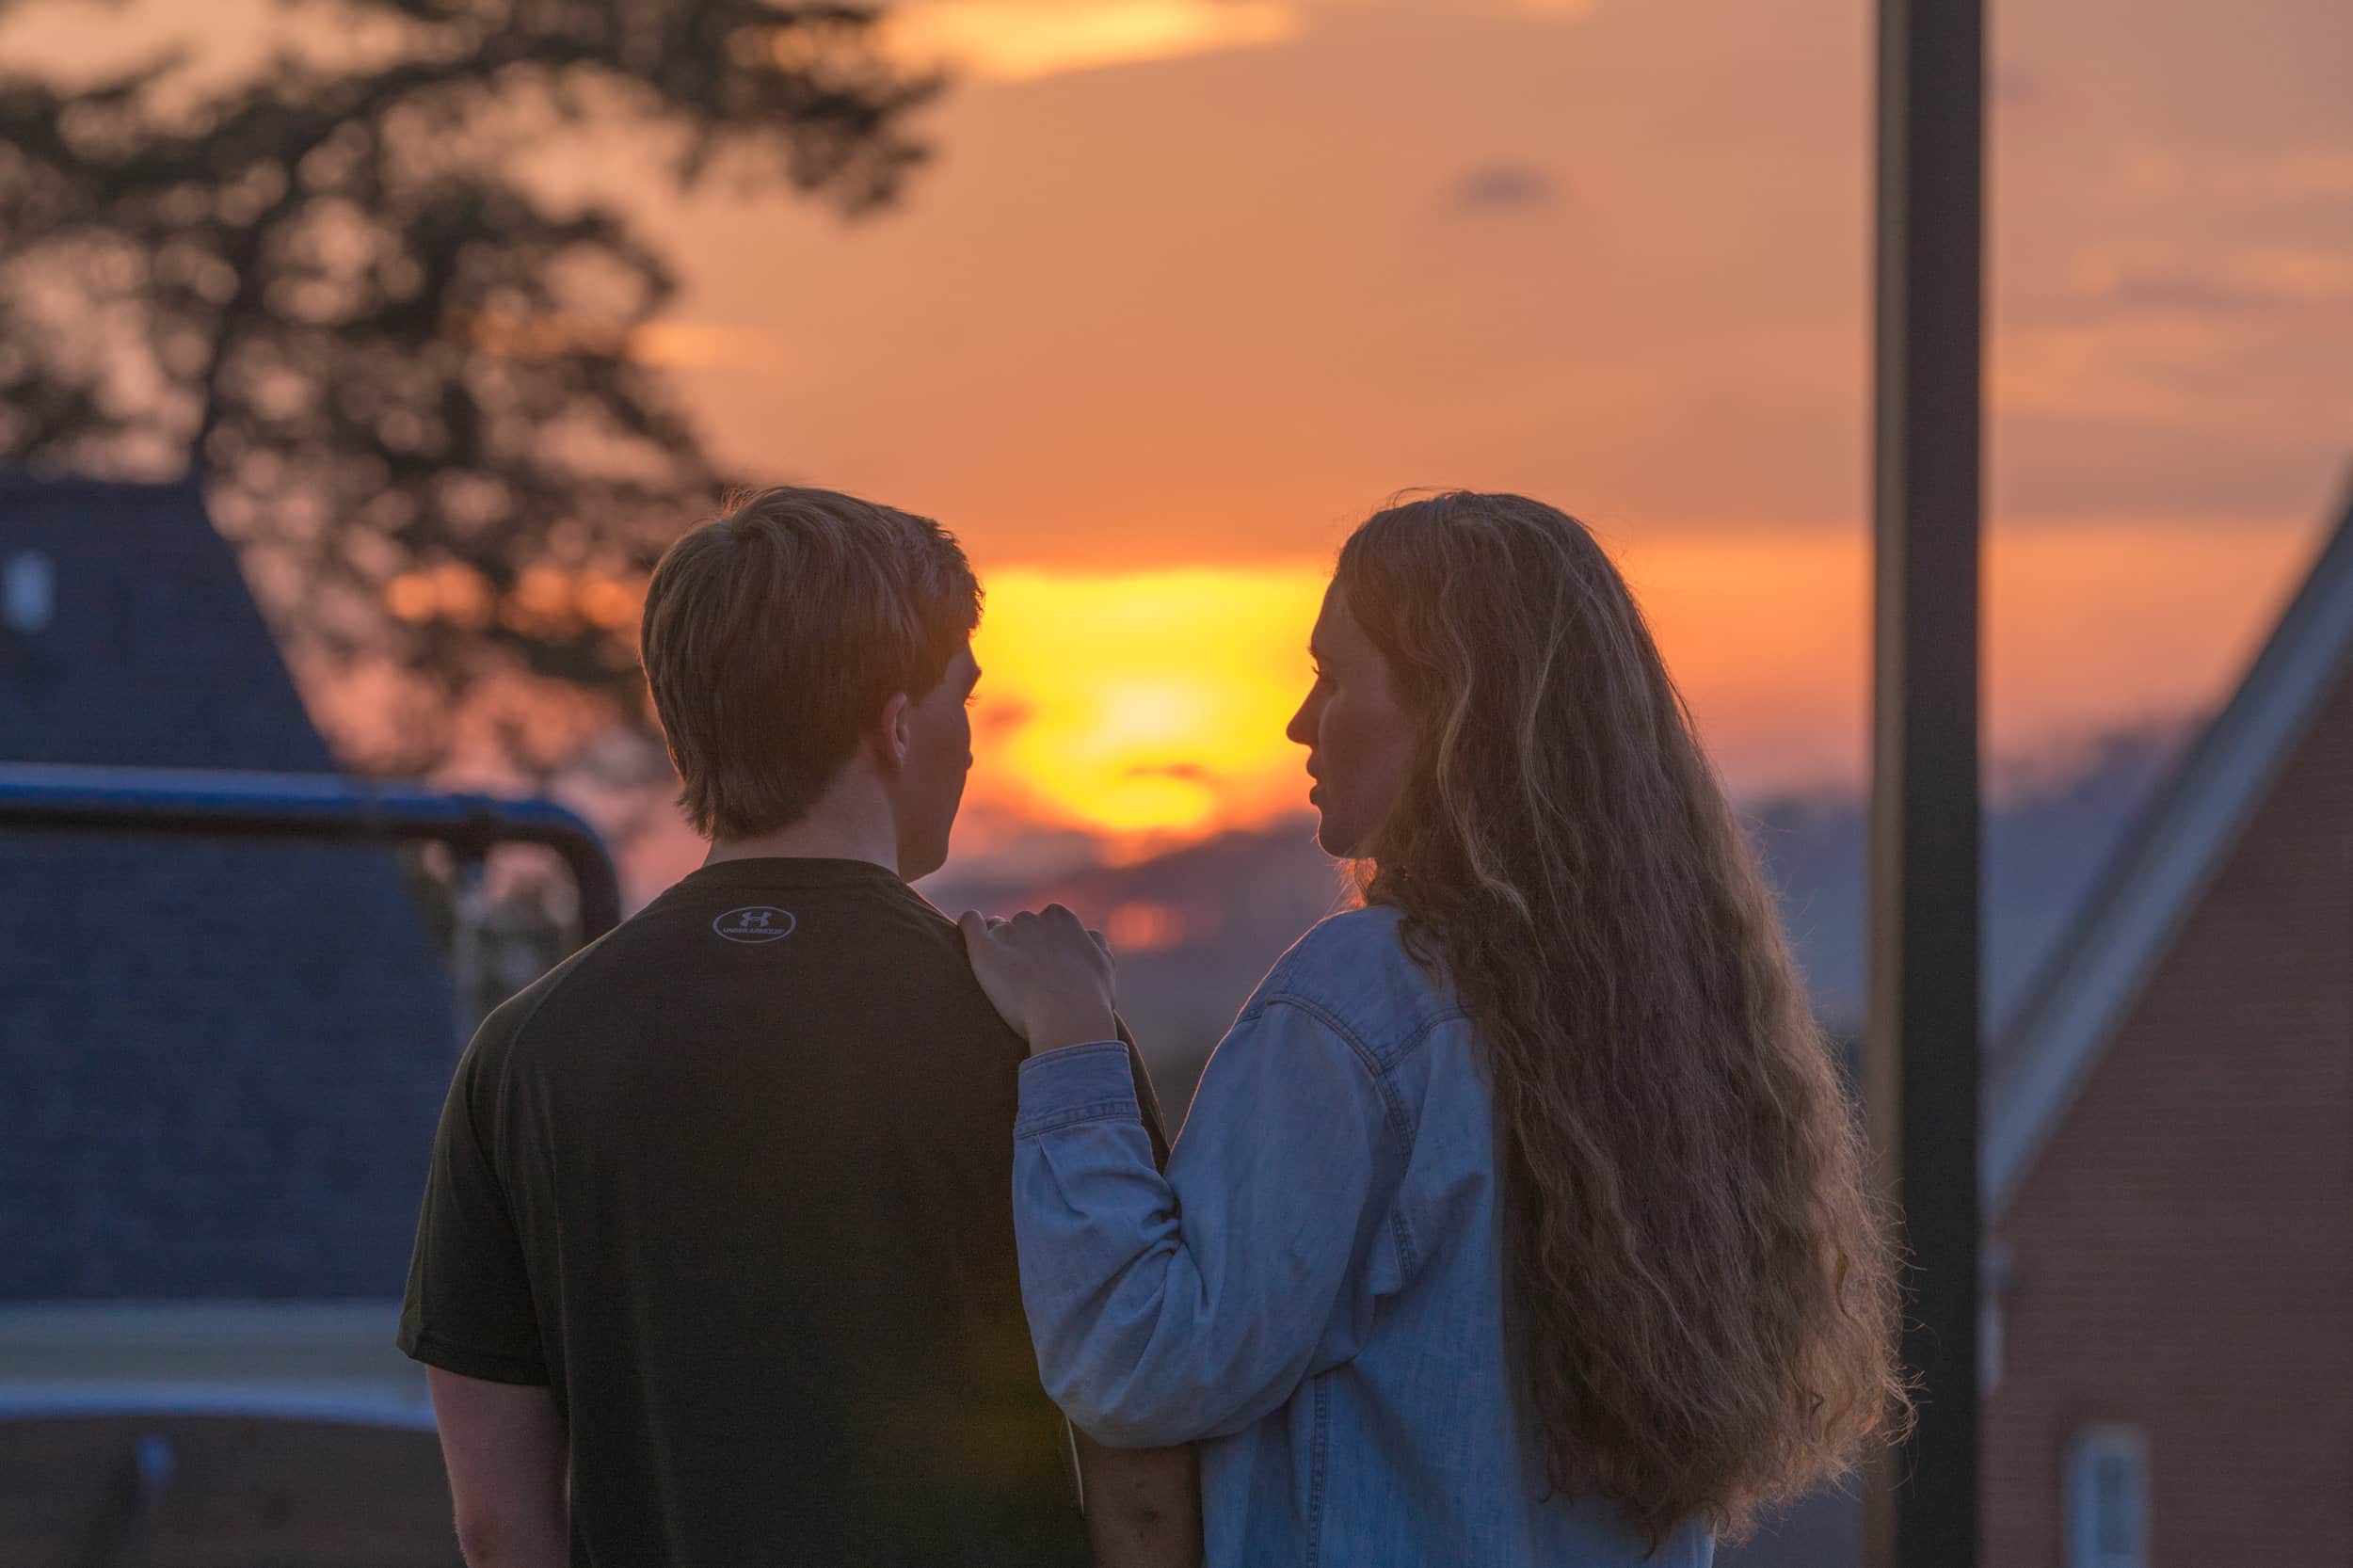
(1151, 706)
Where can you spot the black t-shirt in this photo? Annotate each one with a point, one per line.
(735, 1182)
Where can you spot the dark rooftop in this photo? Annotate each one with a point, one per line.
(220, 1063)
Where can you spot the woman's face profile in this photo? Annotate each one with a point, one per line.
(1357, 733)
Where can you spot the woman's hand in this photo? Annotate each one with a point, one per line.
(1048, 976)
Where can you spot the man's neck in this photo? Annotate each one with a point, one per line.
(823, 834)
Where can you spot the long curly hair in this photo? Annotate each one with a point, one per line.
(1699, 1281)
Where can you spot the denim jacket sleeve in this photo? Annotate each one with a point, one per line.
(1170, 1309)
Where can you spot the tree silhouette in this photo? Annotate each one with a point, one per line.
(408, 381)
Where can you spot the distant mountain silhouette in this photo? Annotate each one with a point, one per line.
(2046, 838)
(1198, 928)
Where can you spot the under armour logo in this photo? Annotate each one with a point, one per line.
(757, 923)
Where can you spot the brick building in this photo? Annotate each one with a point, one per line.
(2169, 1159)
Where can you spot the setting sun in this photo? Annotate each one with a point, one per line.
(1145, 703)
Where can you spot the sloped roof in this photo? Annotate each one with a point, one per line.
(220, 1063)
(2099, 968)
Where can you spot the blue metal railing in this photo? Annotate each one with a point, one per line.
(322, 807)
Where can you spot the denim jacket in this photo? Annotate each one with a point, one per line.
(1313, 1291)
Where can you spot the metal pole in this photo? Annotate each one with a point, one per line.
(322, 807)
(1922, 1046)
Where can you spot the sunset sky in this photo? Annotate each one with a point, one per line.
(1192, 284)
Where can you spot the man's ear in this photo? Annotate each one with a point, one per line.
(892, 733)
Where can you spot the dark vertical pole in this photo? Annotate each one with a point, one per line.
(1922, 1048)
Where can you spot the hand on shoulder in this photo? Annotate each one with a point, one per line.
(1047, 975)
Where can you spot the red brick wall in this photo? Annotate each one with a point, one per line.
(2184, 1248)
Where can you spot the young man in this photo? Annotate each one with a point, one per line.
(716, 1263)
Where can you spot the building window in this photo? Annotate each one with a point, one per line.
(28, 591)
(2107, 1498)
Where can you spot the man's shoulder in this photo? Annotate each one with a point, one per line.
(891, 954)
(503, 1026)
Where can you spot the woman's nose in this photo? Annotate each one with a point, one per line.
(1302, 729)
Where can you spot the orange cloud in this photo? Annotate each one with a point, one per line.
(1019, 40)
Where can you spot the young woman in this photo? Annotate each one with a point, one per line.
(1519, 1219)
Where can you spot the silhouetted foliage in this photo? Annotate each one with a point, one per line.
(406, 376)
